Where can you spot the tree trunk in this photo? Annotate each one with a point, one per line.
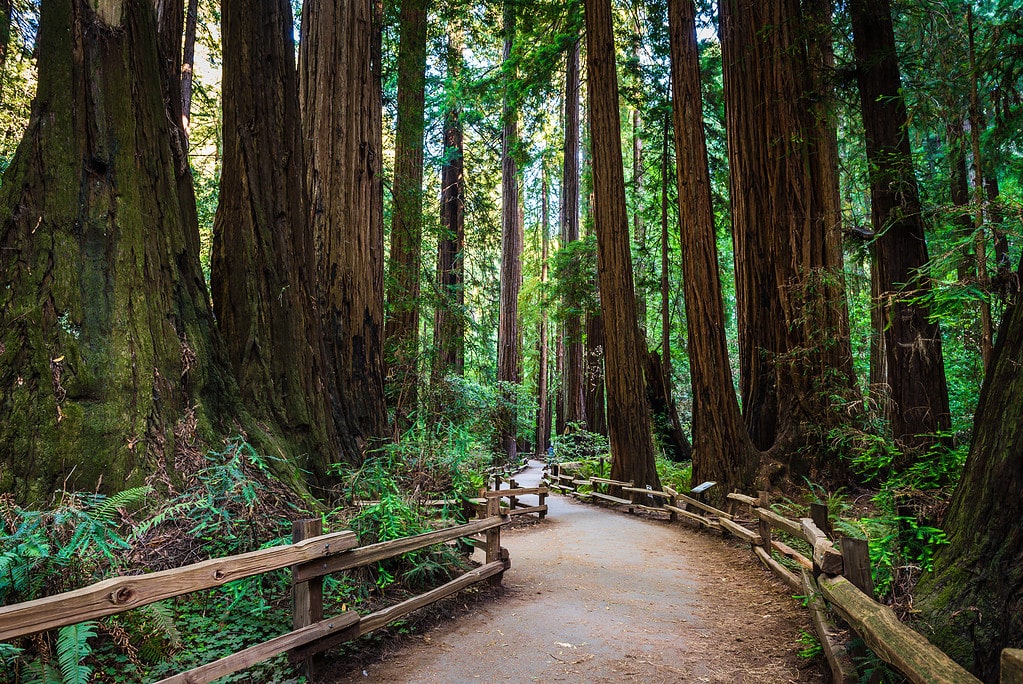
(665, 266)
(111, 367)
(781, 218)
(6, 20)
(917, 405)
(449, 316)
(638, 225)
(262, 260)
(572, 380)
(407, 219)
(628, 417)
(511, 254)
(959, 193)
(188, 64)
(593, 375)
(340, 98)
(666, 420)
(979, 239)
(970, 602)
(543, 411)
(722, 450)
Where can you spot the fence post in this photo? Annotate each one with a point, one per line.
(821, 518)
(856, 564)
(764, 526)
(307, 597)
(494, 538)
(513, 501)
(1012, 666)
(543, 502)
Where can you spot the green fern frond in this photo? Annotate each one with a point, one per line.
(72, 648)
(105, 509)
(160, 617)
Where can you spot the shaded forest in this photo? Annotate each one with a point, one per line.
(264, 257)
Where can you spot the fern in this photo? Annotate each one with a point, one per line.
(105, 506)
(72, 648)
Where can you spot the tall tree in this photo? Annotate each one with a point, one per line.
(263, 262)
(340, 97)
(109, 358)
(6, 21)
(449, 317)
(511, 245)
(778, 186)
(407, 217)
(188, 63)
(543, 409)
(970, 602)
(909, 339)
(572, 379)
(628, 416)
(722, 450)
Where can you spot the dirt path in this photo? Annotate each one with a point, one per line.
(598, 596)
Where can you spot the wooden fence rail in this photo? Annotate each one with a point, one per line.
(835, 575)
(311, 557)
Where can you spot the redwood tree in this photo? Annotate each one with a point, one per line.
(778, 185)
(722, 450)
(628, 416)
(572, 380)
(262, 260)
(403, 287)
(970, 602)
(909, 339)
(511, 248)
(340, 98)
(110, 366)
(449, 316)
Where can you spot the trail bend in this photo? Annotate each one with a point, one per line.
(599, 596)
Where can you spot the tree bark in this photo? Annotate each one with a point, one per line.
(339, 72)
(781, 218)
(188, 64)
(449, 316)
(572, 380)
(262, 260)
(628, 417)
(593, 375)
(638, 225)
(543, 410)
(111, 366)
(979, 239)
(511, 253)
(970, 602)
(722, 450)
(917, 403)
(407, 219)
(666, 421)
(666, 265)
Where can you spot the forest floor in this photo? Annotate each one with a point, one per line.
(595, 595)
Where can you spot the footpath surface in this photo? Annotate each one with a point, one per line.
(595, 595)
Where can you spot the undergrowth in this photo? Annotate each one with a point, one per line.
(229, 506)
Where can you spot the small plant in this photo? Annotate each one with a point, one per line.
(811, 645)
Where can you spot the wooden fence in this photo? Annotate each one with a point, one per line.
(311, 557)
(514, 504)
(835, 575)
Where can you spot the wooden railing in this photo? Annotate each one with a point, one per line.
(311, 557)
(831, 574)
(514, 504)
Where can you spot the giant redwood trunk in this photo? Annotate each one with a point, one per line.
(340, 101)
(627, 414)
(722, 450)
(970, 603)
(780, 216)
(543, 408)
(110, 366)
(917, 394)
(511, 253)
(449, 316)
(403, 288)
(263, 261)
(572, 386)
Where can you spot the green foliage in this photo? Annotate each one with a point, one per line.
(678, 476)
(574, 278)
(72, 649)
(811, 645)
(579, 444)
